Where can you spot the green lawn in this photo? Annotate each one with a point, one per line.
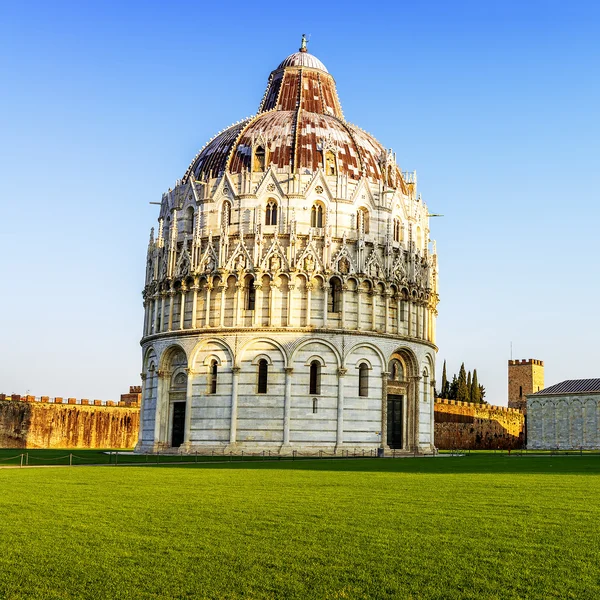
(479, 526)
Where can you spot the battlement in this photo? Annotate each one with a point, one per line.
(489, 407)
(526, 361)
(126, 400)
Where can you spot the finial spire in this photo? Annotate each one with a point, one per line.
(303, 44)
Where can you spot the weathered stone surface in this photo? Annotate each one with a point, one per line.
(477, 426)
(54, 425)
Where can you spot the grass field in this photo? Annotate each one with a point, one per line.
(479, 526)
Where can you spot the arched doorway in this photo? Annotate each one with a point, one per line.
(174, 402)
(177, 400)
(397, 393)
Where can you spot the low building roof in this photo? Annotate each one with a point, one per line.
(571, 386)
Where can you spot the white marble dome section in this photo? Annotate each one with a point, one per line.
(291, 306)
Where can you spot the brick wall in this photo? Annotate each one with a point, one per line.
(476, 426)
(43, 422)
(524, 377)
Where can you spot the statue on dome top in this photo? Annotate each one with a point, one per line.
(303, 44)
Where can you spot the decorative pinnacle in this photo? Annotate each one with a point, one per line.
(303, 44)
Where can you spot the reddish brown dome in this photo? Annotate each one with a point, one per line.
(299, 121)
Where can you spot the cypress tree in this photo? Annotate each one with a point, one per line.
(482, 392)
(453, 389)
(444, 392)
(461, 392)
(475, 391)
(469, 396)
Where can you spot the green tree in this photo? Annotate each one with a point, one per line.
(453, 389)
(482, 392)
(475, 391)
(444, 391)
(469, 387)
(462, 394)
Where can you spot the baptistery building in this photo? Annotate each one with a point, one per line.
(291, 288)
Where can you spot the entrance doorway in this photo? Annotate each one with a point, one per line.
(177, 435)
(394, 421)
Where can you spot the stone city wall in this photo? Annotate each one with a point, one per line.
(466, 425)
(43, 422)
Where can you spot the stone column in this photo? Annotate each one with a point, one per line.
(374, 310)
(237, 309)
(358, 305)
(182, 315)
(194, 303)
(344, 289)
(290, 306)
(155, 317)
(274, 319)
(387, 312)
(162, 406)
(399, 312)
(413, 410)
(287, 404)
(222, 287)
(209, 288)
(325, 302)
(409, 317)
(171, 297)
(235, 374)
(384, 391)
(161, 326)
(257, 305)
(188, 409)
(339, 440)
(309, 287)
(143, 409)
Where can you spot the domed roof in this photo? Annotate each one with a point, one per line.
(298, 122)
(302, 59)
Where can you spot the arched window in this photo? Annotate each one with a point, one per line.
(316, 216)
(250, 294)
(363, 379)
(271, 212)
(315, 405)
(397, 230)
(189, 219)
(226, 213)
(362, 220)
(334, 303)
(260, 157)
(213, 376)
(263, 376)
(315, 378)
(330, 166)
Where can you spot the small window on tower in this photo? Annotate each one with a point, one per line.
(520, 391)
(314, 386)
(330, 166)
(213, 377)
(271, 213)
(250, 295)
(259, 159)
(362, 220)
(316, 216)
(263, 375)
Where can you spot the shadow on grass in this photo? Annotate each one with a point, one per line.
(572, 464)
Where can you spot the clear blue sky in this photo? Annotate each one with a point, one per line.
(103, 106)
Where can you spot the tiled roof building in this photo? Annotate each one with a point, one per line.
(565, 416)
(291, 289)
